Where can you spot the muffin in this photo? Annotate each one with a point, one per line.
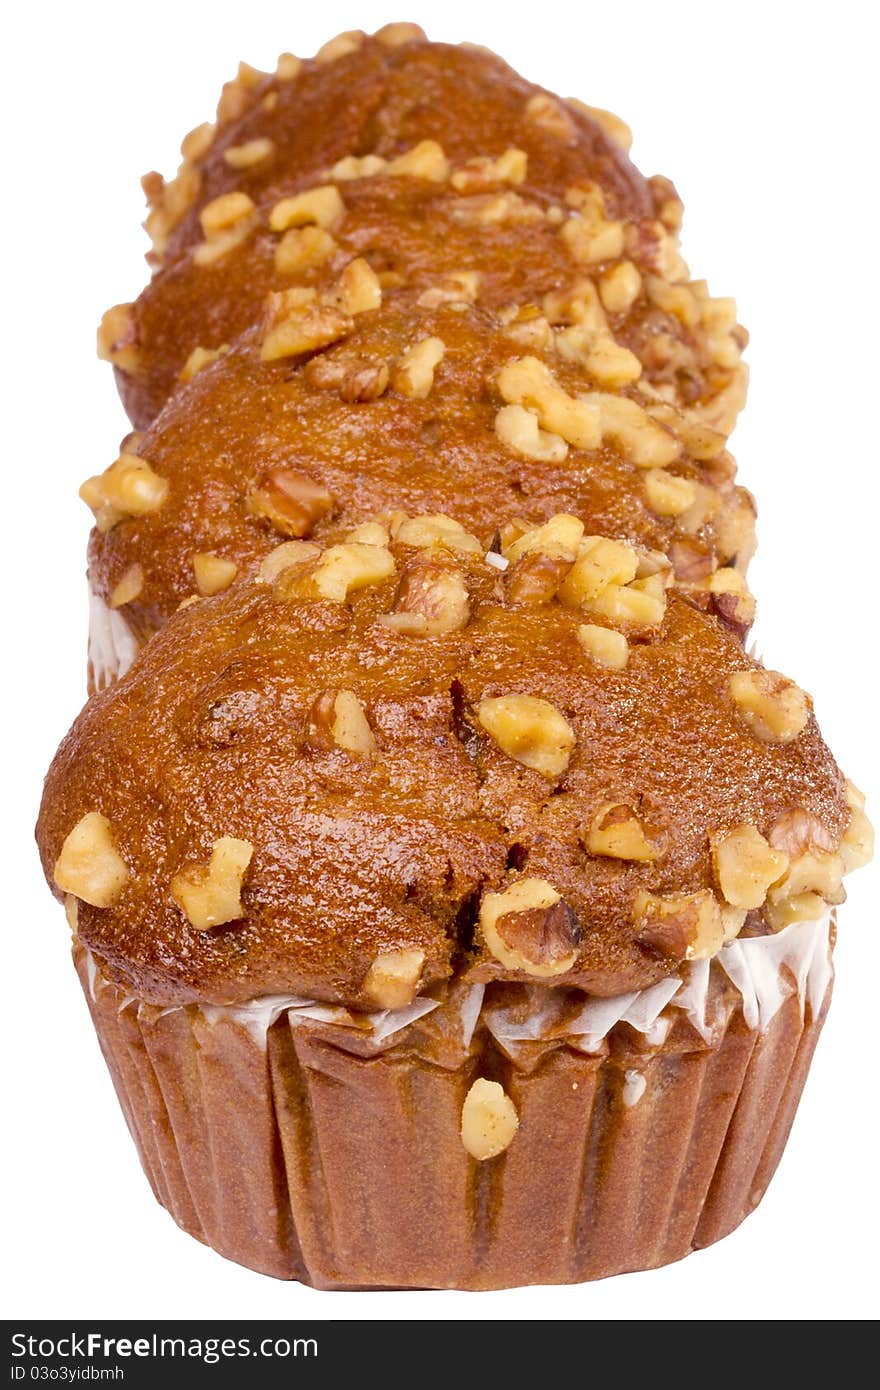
(452, 892)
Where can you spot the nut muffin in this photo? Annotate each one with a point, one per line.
(452, 892)
(395, 838)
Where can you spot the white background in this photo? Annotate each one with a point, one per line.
(765, 116)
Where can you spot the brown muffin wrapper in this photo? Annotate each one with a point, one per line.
(308, 1152)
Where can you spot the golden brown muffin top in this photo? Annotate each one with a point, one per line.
(430, 119)
(395, 759)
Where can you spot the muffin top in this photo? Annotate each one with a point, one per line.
(397, 758)
(360, 99)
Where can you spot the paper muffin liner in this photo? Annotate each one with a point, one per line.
(113, 644)
(310, 1143)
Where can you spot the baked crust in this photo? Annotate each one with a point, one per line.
(387, 835)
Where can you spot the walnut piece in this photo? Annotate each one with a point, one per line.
(482, 172)
(287, 556)
(128, 588)
(320, 207)
(746, 865)
(425, 160)
(604, 645)
(200, 357)
(432, 597)
(117, 338)
(358, 289)
(338, 717)
(414, 374)
(530, 730)
(519, 430)
(666, 494)
(616, 832)
(434, 529)
(128, 488)
(297, 322)
(249, 154)
(340, 571)
(393, 978)
(303, 248)
(291, 502)
(774, 708)
(857, 846)
(340, 46)
(528, 382)
(210, 895)
(488, 1120)
(614, 127)
(213, 573)
(529, 928)
(620, 287)
(683, 926)
(89, 865)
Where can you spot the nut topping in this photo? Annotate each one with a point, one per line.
(530, 730)
(393, 978)
(424, 161)
(529, 928)
(249, 154)
(683, 926)
(89, 865)
(414, 374)
(604, 645)
(128, 488)
(213, 573)
(620, 287)
(666, 494)
(338, 717)
(291, 502)
(340, 571)
(321, 207)
(488, 1120)
(129, 587)
(746, 866)
(616, 832)
(518, 428)
(432, 597)
(428, 531)
(857, 846)
(303, 248)
(117, 338)
(527, 381)
(198, 359)
(210, 895)
(774, 708)
(297, 323)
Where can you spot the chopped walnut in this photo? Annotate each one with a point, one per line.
(355, 378)
(432, 597)
(210, 895)
(620, 287)
(774, 708)
(541, 558)
(198, 359)
(414, 373)
(578, 304)
(527, 327)
(223, 212)
(529, 928)
(251, 153)
(288, 67)
(746, 865)
(339, 571)
(666, 494)
(303, 248)
(290, 501)
(857, 846)
(370, 533)
(530, 730)
(699, 439)
(482, 172)
(340, 46)
(639, 438)
(560, 536)
(615, 128)
(321, 206)
(589, 242)
(397, 34)
(425, 160)
(677, 300)
(616, 832)
(781, 911)
(129, 587)
(435, 529)
(488, 1120)
(117, 338)
(528, 382)
(287, 556)
(519, 430)
(459, 288)
(393, 978)
(353, 166)
(600, 562)
(604, 645)
(493, 209)
(197, 142)
(358, 289)
(550, 114)
(213, 573)
(339, 717)
(608, 362)
(128, 488)
(297, 323)
(89, 865)
(683, 926)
